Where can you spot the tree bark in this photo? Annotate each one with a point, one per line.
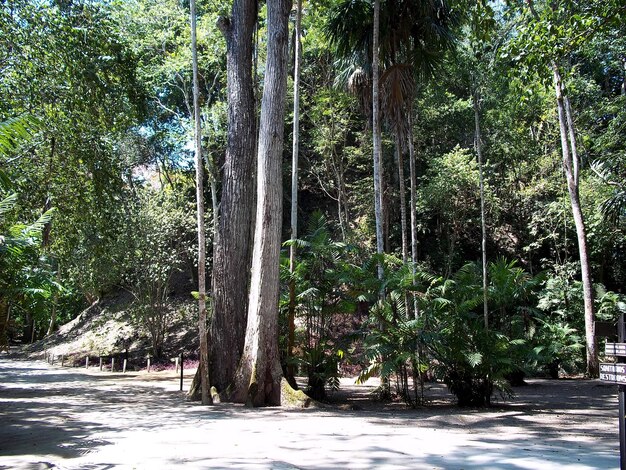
(232, 256)
(258, 378)
(571, 168)
(376, 134)
(203, 367)
(294, 194)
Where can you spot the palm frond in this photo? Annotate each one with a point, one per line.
(15, 131)
(7, 204)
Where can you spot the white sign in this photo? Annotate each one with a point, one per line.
(615, 349)
(610, 372)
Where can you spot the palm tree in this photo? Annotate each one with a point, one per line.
(413, 36)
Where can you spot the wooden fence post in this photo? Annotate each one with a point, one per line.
(181, 371)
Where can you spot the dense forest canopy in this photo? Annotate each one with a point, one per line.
(514, 107)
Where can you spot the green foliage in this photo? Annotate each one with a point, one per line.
(14, 132)
(471, 360)
(448, 334)
(558, 342)
(27, 279)
(109, 84)
(450, 196)
(558, 347)
(320, 275)
(163, 244)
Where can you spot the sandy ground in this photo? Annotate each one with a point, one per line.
(53, 417)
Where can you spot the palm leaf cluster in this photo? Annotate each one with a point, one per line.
(448, 338)
(414, 34)
(25, 276)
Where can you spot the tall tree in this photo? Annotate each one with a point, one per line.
(232, 257)
(377, 138)
(294, 188)
(483, 244)
(412, 36)
(574, 25)
(259, 374)
(481, 17)
(204, 377)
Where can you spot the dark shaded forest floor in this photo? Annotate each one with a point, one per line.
(72, 418)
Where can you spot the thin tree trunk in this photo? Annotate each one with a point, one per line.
(585, 266)
(413, 201)
(232, 255)
(258, 377)
(479, 153)
(570, 165)
(294, 195)
(623, 88)
(204, 369)
(402, 189)
(5, 313)
(376, 134)
(53, 315)
(377, 144)
(32, 329)
(342, 210)
(344, 204)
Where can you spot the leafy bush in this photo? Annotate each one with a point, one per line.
(164, 243)
(320, 276)
(447, 332)
(558, 343)
(471, 360)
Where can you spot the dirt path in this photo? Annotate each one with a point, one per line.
(73, 419)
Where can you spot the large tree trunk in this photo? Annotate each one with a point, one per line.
(294, 196)
(571, 167)
(376, 133)
(231, 259)
(204, 370)
(258, 377)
